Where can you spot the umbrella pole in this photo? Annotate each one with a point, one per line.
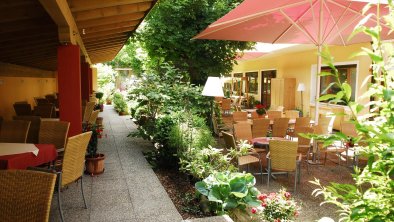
(317, 85)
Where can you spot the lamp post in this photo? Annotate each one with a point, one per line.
(301, 88)
(213, 88)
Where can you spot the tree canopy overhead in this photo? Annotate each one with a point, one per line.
(166, 37)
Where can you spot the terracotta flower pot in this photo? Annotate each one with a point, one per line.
(95, 165)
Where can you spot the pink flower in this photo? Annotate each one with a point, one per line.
(254, 210)
(262, 197)
(263, 204)
(277, 220)
(287, 195)
(296, 213)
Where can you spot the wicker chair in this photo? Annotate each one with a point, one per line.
(73, 164)
(93, 117)
(243, 131)
(25, 195)
(336, 148)
(260, 127)
(240, 116)
(292, 114)
(226, 106)
(242, 160)
(300, 122)
(54, 132)
(279, 128)
(41, 101)
(326, 123)
(274, 114)
(283, 157)
(35, 122)
(23, 109)
(88, 111)
(254, 115)
(45, 110)
(14, 131)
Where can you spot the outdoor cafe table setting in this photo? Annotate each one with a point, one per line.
(24, 155)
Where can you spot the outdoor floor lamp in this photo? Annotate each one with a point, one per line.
(213, 88)
(301, 88)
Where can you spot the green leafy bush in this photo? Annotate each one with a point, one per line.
(228, 191)
(371, 197)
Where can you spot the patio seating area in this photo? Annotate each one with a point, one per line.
(130, 191)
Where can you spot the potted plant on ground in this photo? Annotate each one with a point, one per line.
(94, 160)
(99, 96)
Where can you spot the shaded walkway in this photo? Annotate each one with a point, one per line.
(128, 190)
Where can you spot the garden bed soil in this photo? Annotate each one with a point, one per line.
(182, 193)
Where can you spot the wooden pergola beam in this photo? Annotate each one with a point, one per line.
(112, 41)
(110, 32)
(68, 30)
(98, 38)
(111, 11)
(83, 5)
(111, 20)
(109, 27)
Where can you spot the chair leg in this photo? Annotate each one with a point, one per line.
(83, 196)
(269, 172)
(59, 198)
(261, 171)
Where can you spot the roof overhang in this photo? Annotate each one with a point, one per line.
(31, 30)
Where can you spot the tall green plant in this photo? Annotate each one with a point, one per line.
(371, 197)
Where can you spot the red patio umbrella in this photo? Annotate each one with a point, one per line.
(318, 22)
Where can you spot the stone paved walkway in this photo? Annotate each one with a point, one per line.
(127, 191)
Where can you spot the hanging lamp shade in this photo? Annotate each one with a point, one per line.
(213, 87)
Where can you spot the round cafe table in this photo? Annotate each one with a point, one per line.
(265, 140)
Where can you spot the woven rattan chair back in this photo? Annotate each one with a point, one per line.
(302, 122)
(254, 115)
(14, 131)
(279, 128)
(349, 129)
(93, 117)
(25, 195)
(240, 116)
(260, 127)
(23, 109)
(243, 131)
(45, 110)
(74, 158)
(226, 106)
(283, 155)
(35, 122)
(292, 114)
(54, 132)
(41, 101)
(229, 140)
(326, 123)
(274, 114)
(303, 143)
(88, 111)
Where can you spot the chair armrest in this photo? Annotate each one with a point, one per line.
(268, 155)
(40, 169)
